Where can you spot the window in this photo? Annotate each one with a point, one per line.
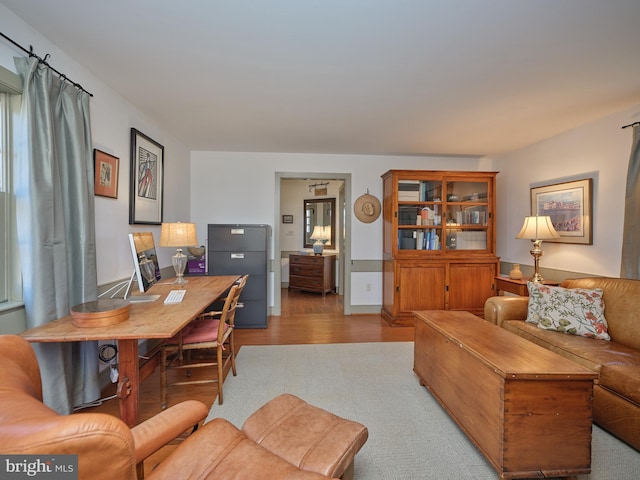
(4, 214)
(9, 275)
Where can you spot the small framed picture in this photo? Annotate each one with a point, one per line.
(105, 173)
(569, 205)
(147, 180)
(287, 218)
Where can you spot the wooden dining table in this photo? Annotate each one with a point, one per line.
(147, 320)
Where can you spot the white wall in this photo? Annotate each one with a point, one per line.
(236, 187)
(112, 117)
(600, 150)
(293, 192)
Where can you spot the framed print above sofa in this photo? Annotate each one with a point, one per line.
(569, 205)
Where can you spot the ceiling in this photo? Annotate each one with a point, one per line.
(455, 77)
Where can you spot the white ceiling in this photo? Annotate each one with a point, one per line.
(458, 77)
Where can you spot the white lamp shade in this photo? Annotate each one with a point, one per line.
(321, 233)
(178, 235)
(538, 228)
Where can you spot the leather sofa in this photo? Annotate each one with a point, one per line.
(616, 402)
(286, 439)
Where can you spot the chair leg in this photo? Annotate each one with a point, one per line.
(163, 378)
(232, 352)
(220, 374)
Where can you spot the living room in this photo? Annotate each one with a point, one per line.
(206, 186)
(197, 180)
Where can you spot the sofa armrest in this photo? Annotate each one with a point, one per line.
(498, 309)
(154, 433)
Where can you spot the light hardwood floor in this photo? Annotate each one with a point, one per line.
(306, 318)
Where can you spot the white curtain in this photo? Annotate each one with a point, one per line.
(630, 264)
(56, 225)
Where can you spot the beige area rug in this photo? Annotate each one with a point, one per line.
(410, 436)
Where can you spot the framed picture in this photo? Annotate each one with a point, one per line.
(287, 218)
(147, 180)
(105, 174)
(569, 205)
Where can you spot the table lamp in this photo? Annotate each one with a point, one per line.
(320, 234)
(178, 235)
(537, 229)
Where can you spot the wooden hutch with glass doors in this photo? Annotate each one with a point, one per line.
(439, 244)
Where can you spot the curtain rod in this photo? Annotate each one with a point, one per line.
(44, 62)
(631, 124)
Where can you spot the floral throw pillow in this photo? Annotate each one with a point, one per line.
(578, 311)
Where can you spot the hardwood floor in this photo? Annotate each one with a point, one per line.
(306, 318)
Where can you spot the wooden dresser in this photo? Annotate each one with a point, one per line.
(313, 273)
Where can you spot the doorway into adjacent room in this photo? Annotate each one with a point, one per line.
(292, 188)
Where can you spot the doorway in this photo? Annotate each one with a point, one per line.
(343, 234)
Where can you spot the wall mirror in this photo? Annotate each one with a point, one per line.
(319, 212)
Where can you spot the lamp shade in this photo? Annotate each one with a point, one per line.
(178, 235)
(538, 228)
(321, 233)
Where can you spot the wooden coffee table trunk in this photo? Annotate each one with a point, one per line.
(528, 410)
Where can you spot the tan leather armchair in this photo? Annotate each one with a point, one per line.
(105, 446)
(108, 449)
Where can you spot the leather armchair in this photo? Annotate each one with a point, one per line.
(108, 449)
(105, 445)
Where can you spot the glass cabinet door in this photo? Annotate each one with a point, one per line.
(420, 211)
(467, 215)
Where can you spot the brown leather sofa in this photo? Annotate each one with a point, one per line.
(108, 449)
(616, 402)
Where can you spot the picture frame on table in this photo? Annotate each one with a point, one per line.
(106, 171)
(569, 204)
(147, 180)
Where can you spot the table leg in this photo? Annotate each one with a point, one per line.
(129, 381)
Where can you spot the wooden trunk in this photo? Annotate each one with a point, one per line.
(528, 410)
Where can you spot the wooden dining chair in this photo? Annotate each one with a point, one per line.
(211, 331)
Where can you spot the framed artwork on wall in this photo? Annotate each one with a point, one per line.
(287, 218)
(105, 174)
(147, 180)
(569, 205)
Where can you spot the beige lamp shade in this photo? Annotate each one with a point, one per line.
(321, 233)
(538, 228)
(178, 235)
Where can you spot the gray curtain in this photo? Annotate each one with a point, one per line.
(56, 225)
(630, 265)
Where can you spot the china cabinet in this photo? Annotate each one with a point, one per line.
(438, 242)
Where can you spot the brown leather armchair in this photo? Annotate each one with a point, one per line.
(105, 446)
(108, 449)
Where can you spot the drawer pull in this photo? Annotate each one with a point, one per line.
(237, 231)
(237, 256)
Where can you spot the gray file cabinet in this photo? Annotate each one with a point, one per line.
(240, 250)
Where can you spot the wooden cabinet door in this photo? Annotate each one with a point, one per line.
(470, 284)
(420, 287)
